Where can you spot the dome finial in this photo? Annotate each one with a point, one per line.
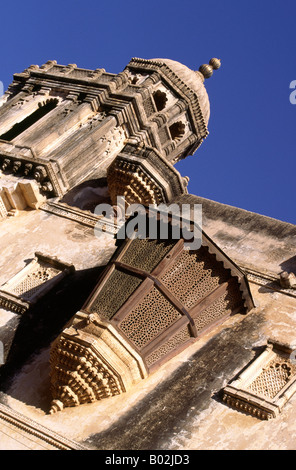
(206, 70)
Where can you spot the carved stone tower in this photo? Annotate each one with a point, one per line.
(61, 125)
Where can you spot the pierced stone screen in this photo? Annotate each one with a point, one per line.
(153, 315)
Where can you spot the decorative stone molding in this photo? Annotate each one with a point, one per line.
(83, 217)
(142, 176)
(91, 361)
(125, 96)
(136, 78)
(32, 282)
(270, 281)
(94, 120)
(266, 385)
(35, 430)
(20, 162)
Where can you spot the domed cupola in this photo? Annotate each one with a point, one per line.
(177, 101)
(195, 80)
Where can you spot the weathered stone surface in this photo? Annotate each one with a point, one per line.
(92, 118)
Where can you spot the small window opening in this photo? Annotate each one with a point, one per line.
(36, 88)
(81, 97)
(160, 100)
(177, 130)
(19, 127)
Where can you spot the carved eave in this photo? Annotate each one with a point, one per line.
(65, 74)
(143, 176)
(51, 184)
(236, 271)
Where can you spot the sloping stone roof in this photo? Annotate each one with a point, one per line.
(269, 243)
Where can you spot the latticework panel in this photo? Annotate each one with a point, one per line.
(194, 275)
(79, 376)
(3, 209)
(114, 293)
(146, 254)
(272, 378)
(221, 307)
(151, 316)
(33, 281)
(173, 343)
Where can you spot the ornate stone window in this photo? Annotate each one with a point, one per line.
(266, 385)
(154, 299)
(40, 112)
(177, 131)
(32, 282)
(160, 100)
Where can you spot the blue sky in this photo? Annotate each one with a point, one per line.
(248, 159)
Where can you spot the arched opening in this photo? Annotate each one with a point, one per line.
(160, 100)
(177, 130)
(19, 127)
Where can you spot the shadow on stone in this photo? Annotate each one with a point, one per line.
(27, 334)
(289, 265)
(172, 407)
(88, 195)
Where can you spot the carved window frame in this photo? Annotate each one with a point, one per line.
(160, 100)
(19, 303)
(243, 395)
(152, 280)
